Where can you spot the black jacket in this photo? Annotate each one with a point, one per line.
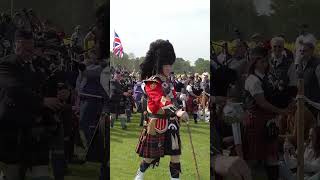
(116, 91)
(21, 101)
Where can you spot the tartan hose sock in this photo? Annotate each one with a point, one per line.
(175, 169)
(144, 166)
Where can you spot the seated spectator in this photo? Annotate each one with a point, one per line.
(311, 158)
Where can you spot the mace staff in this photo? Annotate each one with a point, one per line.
(183, 98)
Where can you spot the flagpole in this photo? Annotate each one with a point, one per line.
(113, 62)
(119, 52)
(114, 35)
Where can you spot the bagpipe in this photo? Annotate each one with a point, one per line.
(237, 35)
(27, 20)
(224, 51)
(282, 94)
(228, 114)
(131, 100)
(222, 75)
(281, 98)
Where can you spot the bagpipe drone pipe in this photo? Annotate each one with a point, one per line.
(226, 117)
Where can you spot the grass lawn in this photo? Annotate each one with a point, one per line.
(88, 171)
(124, 161)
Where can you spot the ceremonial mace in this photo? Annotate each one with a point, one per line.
(183, 97)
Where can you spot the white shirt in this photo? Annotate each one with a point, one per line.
(189, 89)
(253, 84)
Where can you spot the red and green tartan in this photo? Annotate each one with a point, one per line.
(151, 146)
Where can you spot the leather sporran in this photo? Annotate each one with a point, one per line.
(271, 130)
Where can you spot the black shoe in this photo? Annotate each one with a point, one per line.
(124, 127)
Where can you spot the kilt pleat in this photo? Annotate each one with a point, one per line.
(159, 145)
(151, 146)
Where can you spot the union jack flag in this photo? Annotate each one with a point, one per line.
(117, 46)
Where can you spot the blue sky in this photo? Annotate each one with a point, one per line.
(185, 23)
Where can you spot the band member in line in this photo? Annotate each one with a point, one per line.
(194, 91)
(160, 135)
(118, 96)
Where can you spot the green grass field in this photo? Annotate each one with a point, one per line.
(88, 171)
(124, 161)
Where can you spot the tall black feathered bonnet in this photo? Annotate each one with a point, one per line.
(160, 53)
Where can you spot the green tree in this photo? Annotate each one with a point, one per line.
(64, 14)
(202, 65)
(180, 66)
(131, 56)
(230, 14)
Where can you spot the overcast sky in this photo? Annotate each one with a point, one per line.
(263, 6)
(185, 23)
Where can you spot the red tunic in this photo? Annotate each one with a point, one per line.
(158, 103)
(161, 117)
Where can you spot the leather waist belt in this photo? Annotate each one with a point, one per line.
(159, 116)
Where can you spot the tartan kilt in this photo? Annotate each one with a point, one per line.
(255, 145)
(192, 107)
(117, 108)
(18, 146)
(159, 145)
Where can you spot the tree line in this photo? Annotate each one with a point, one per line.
(181, 66)
(65, 14)
(287, 16)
